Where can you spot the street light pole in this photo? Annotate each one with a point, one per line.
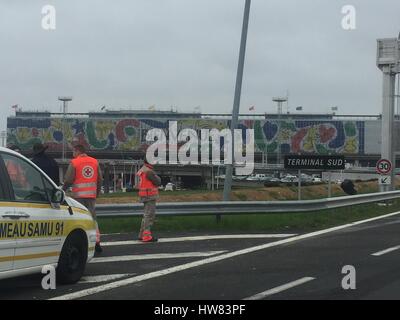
(280, 101)
(65, 110)
(3, 135)
(236, 102)
(398, 94)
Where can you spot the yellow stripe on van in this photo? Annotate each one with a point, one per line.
(36, 256)
(30, 256)
(25, 205)
(37, 229)
(39, 206)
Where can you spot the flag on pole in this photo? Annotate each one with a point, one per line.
(103, 108)
(15, 107)
(252, 108)
(299, 108)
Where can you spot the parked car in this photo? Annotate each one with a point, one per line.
(170, 187)
(258, 177)
(272, 182)
(289, 179)
(305, 178)
(239, 178)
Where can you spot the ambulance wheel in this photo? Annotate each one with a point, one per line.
(72, 262)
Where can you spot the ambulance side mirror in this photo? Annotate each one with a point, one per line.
(58, 196)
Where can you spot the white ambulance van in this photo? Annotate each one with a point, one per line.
(39, 225)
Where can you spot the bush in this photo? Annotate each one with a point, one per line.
(271, 184)
(241, 196)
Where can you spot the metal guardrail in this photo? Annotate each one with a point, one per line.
(242, 207)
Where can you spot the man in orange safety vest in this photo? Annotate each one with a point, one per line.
(85, 178)
(148, 194)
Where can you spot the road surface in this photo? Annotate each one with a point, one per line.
(238, 267)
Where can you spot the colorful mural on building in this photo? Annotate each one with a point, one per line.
(317, 137)
(314, 137)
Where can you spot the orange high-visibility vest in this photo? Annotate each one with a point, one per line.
(86, 175)
(16, 174)
(146, 187)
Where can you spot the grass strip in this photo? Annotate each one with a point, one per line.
(275, 222)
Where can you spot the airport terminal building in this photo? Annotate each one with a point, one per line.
(121, 135)
(111, 134)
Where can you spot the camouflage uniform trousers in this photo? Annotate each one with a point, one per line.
(90, 204)
(149, 215)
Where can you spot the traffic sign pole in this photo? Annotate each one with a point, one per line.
(387, 121)
(385, 168)
(388, 61)
(330, 185)
(299, 186)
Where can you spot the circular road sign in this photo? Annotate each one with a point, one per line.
(383, 166)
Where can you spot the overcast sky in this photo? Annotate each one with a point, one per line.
(184, 53)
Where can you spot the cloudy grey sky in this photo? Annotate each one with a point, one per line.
(183, 53)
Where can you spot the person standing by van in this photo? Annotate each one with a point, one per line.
(149, 182)
(48, 165)
(85, 178)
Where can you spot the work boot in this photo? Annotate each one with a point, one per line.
(148, 237)
(98, 248)
(152, 239)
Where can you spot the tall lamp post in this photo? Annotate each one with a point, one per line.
(279, 101)
(388, 61)
(3, 137)
(65, 101)
(236, 102)
(398, 94)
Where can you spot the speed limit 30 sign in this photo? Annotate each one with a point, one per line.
(384, 166)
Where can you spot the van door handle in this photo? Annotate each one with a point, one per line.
(23, 215)
(18, 215)
(11, 215)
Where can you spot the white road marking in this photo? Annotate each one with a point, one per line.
(381, 253)
(200, 238)
(156, 274)
(279, 289)
(156, 256)
(104, 278)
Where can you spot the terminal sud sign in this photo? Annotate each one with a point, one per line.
(304, 162)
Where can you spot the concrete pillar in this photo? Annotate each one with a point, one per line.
(389, 80)
(106, 178)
